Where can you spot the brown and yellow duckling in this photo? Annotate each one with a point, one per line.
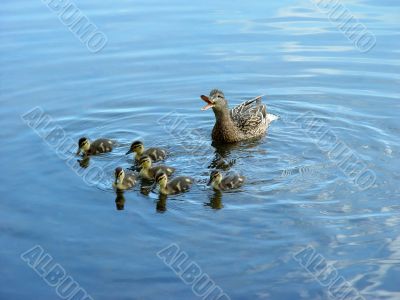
(230, 182)
(123, 181)
(156, 154)
(175, 186)
(148, 172)
(96, 147)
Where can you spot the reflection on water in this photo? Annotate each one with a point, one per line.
(215, 200)
(161, 204)
(120, 200)
(84, 162)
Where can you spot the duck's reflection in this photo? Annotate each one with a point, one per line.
(161, 205)
(84, 162)
(120, 200)
(221, 157)
(146, 187)
(215, 200)
(223, 153)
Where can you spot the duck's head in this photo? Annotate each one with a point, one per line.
(119, 175)
(216, 100)
(161, 179)
(137, 147)
(83, 145)
(215, 178)
(145, 162)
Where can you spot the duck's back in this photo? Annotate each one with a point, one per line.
(232, 182)
(251, 117)
(161, 168)
(129, 180)
(101, 146)
(179, 185)
(156, 154)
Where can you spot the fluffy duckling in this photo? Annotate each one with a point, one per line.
(96, 147)
(123, 181)
(220, 183)
(175, 186)
(148, 172)
(155, 154)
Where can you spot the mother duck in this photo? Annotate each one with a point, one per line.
(248, 120)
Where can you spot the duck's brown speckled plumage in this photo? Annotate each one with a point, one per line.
(247, 120)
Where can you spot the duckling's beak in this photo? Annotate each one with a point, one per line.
(209, 102)
(78, 152)
(130, 151)
(209, 182)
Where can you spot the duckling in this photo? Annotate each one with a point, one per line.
(175, 186)
(230, 182)
(123, 181)
(96, 147)
(148, 172)
(246, 121)
(155, 154)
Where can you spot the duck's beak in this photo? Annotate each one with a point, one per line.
(209, 182)
(78, 152)
(206, 99)
(130, 151)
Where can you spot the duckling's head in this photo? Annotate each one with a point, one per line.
(119, 175)
(216, 100)
(83, 145)
(145, 162)
(137, 147)
(161, 179)
(215, 178)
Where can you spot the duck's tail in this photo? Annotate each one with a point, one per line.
(272, 117)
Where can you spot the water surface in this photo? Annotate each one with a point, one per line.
(159, 58)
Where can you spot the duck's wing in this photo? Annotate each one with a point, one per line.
(156, 154)
(130, 180)
(165, 169)
(232, 181)
(101, 146)
(180, 184)
(250, 114)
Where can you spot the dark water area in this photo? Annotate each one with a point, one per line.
(145, 84)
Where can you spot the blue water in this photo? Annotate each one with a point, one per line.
(159, 58)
